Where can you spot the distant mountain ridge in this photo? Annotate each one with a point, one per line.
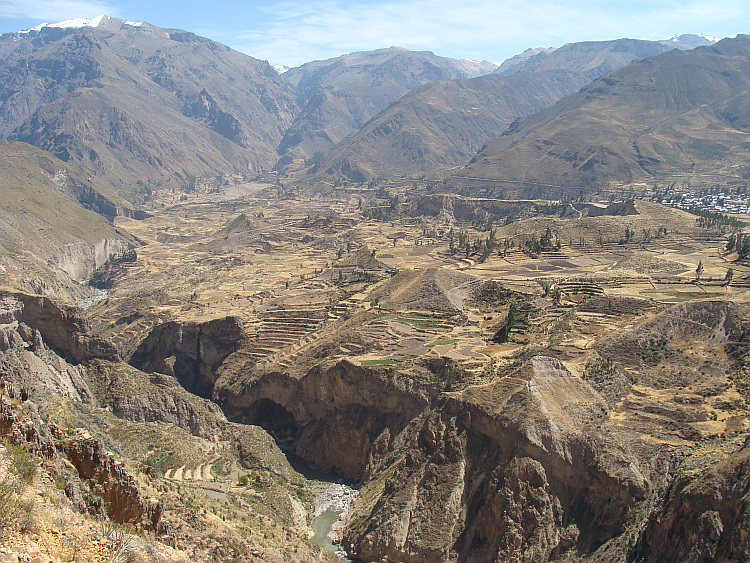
(442, 124)
(681, 112)
(340, 95)
(595, 58)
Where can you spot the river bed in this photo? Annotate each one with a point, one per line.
(99, 295)
(333, 501)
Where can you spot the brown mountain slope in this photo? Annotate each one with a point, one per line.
(49, 217)
(443, 123)
(676, 113)
(340, 95)
(129, 103)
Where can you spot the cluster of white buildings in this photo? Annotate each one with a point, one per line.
(722, 203)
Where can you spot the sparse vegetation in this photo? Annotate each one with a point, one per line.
(21, 463)
(599, 367)
(15, 511)
(492, 294)
(654, 351)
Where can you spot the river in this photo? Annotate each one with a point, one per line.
(99, 295)
(334, 498)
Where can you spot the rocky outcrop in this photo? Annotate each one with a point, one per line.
(79, 259)
(205, 108)
(706, 513)
(135, 396)
(110, 481)
(523, 520)
(191, 352)
(614, 209)
(62, 327)
(20, 424)
(455, 207)
(27, 364)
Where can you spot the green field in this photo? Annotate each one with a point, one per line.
(443, 342)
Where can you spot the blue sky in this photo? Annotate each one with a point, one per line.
(296, 31)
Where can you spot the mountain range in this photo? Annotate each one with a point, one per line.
(143, 108)
(445, 123)
(339, 95)
(676, 113)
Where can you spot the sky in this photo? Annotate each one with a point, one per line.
(292, 32)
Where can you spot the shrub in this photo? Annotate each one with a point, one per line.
(14, 510)
(123, 546)
(21, 463)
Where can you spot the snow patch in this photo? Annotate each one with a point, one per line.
(74, 23)
(684, 37)
(281, 69)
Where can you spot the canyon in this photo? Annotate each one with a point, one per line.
(346, 313)
(589, 429)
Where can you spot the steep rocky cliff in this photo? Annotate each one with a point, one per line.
(63, 327)
(705, 512)
(445, 472)
(539, 463)
(191, 352)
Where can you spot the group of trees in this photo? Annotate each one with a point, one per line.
(713, 220)
(739, 243)
(647, 236)
(484, 247)
(547, 241)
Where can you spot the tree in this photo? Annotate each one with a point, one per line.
(730, 276)
(512, 319)
(699, 270)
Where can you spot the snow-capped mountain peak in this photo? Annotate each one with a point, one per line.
(79, 22)
(693, 39)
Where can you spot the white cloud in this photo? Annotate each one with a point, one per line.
(53, 10)
(298, 31)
